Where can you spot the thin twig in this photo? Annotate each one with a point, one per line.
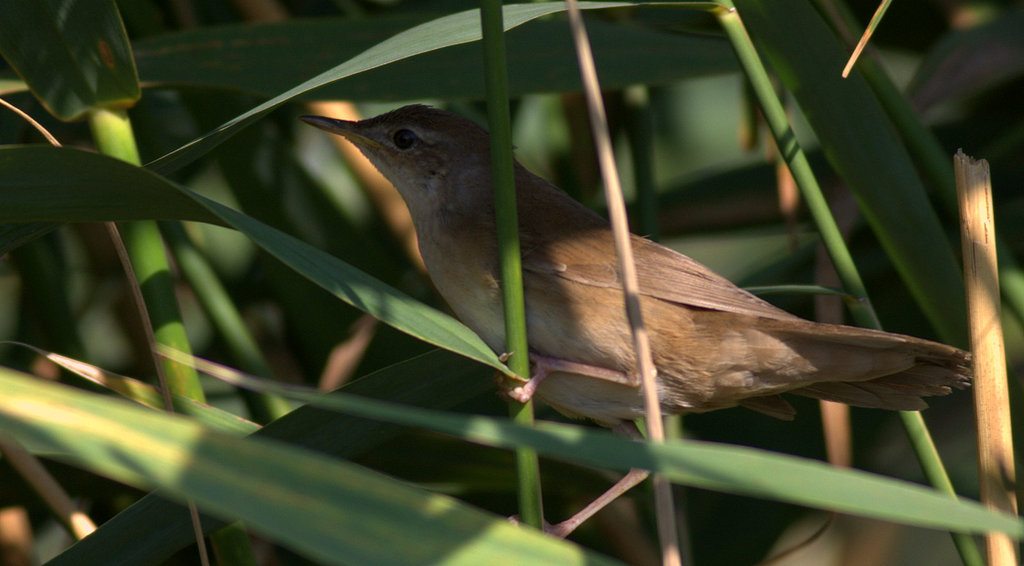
(165, 390)
(641, 343)
(32, 122)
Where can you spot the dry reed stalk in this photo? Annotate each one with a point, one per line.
(996, 474)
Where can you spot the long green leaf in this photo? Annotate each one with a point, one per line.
(726, 468)
(269, 59)
(46, 184)
(329, 510)
(69, 185)
(446, 31)
(152, 529)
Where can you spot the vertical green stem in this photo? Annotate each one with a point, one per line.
(935, 471)
(112, 132)
(863, 313)
(785, 138)
(503, 179)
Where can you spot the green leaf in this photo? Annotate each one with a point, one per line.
(70, 185)
(329, 510)
(269, 59)
(73, 55)
(446, 31)
(47, 184)
(732, 469)
(147, 395)
(864, 148)
(721, 467)
(154, 528)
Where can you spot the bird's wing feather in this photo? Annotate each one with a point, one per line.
(663, 274)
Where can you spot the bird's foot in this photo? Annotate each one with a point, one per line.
(561, 530)
(543, 366)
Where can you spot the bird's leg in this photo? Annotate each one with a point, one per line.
(628, 481)
(543, 366)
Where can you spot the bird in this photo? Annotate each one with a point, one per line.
(714, 345)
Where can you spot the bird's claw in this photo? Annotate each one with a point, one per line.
(549, 529)
(522, 393)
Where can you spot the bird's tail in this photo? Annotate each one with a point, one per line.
(937, 369)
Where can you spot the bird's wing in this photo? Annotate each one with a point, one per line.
(663, 273)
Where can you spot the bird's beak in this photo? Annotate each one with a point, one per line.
(343, 128)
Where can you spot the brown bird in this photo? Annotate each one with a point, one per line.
(714, 344)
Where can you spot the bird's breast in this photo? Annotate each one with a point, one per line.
(464, 271)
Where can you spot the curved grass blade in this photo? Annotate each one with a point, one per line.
(269, 59)
(69, 185)
(721, 467)
(329, 510)
(152, 529)
(446, 31)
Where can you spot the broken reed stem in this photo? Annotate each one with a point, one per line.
(996, 475)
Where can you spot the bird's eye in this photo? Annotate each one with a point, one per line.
(404, 139)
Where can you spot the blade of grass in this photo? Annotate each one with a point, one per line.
(454, 29)
(269, 59)
(708, 465)
(154, 528)
(146, 394)
(332, 511)
(875, 20)
(99, 188)
(733, 469)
